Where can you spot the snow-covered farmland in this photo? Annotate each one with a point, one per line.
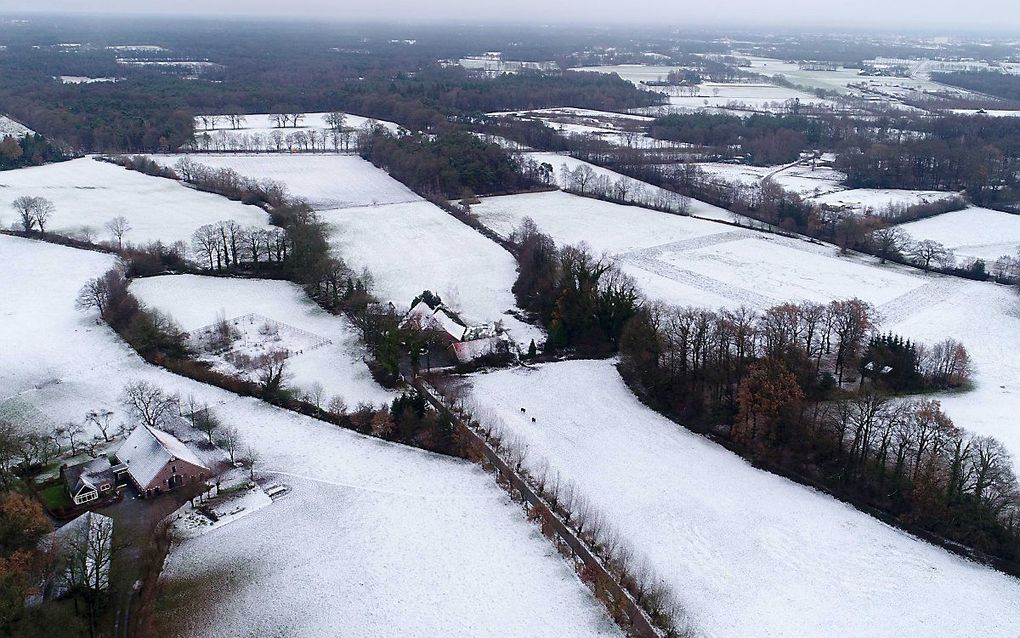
(751, 554)
(803, 179)
(10, 127)
(984, 317)
(58, 363)
(689, 261)
(255, 133)
(372, 538)
(877, 200)
(572, 219)
(324, 181)
(324, 348)
(415, 246)
(365, 521)
(695, 207)
(737, 98)
(89, 193)
(637, 74)
(977, 233)
(769, 270)
(685, 261)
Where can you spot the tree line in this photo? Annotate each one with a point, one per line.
(809, 390)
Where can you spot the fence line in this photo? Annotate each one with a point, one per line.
(583, 556)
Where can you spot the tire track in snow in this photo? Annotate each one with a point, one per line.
(918, 299)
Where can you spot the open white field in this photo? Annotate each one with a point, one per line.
(977, 233)
(687, 261)
(373, 539)
(256, 130)
(695, 207)
(57, 361)
(605, 226)
(984, 317)
(411, 247)
(803, 179)
(875, 200)
(323, 180)
(751, 554)
(739, 97)
(195, 302)
(777, 269)
(89, 193)
(366, 521)
(10, 127)
(635, 73)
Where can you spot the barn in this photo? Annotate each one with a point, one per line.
(158, 462)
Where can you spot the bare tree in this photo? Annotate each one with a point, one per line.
(103, 420)
(118, 227)
(928, 251)
(888, 241)
(230, 441)
(94, 294)
(86, 553)
(149, 403)
(271, 372)
(33, 211)
(252, 460)
(207, 422)
(72, 431)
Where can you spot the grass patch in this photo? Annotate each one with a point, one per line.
(55, 497)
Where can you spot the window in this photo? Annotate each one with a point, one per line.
(173, 468)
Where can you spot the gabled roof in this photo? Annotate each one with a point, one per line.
(436, 319)
(92, 475)
(87, 542)
(147, 451)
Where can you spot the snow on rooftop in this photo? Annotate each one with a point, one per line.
(147, 451)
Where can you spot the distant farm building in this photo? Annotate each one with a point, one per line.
(466, 343)
(157, 462)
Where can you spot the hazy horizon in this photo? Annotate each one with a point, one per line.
(996, 16)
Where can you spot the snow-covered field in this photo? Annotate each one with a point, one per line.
(372, 540)
(256, 131)
(55, 360)
(608, 227)
(323, 180)
(685, 261)
(89, 193)
(977, 233)
(557, 161)
(411, 247)
(750, 554)
(196, 301)
(801, 179)
(689, 261)
(985, 317)
(10, 127)
(365, 521)
(876, 200)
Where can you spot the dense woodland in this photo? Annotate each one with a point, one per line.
(801, 389)
(995, 83)
(447, 164)
(283, 68)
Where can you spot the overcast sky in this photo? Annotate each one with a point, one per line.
(1002, 15)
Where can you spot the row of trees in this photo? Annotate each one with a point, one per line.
(586, 181)
(777, 386)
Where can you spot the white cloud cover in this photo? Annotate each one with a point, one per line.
(1002, 15)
